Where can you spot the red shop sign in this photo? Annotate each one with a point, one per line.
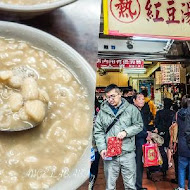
(120, 63)
(133, 63)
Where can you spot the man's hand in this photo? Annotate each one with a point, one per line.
(103, 154)
(121, 135)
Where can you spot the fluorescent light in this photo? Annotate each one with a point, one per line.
(149, 39)
(134, 71)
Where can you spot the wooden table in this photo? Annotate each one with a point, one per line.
(77, 24)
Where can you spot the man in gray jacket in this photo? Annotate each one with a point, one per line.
(128, 125)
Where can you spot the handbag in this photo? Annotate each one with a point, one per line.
(114, 147)
(173, 132)
(151, 155)
(157, 139)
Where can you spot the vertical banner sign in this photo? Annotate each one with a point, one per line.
(158, 77)
(148, 18)
(170, 73)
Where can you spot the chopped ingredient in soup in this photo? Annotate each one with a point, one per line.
(26, 100)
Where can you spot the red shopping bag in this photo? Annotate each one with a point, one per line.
(114, 147)
(151, 154)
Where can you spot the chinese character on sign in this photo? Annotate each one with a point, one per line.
(114, 63)
(157, 18)
(125, 10)
(149, 7)
(185, 12)
(171, 13)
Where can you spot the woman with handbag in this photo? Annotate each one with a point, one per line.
(140, 138)
(163, 122)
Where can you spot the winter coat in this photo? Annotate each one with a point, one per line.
(151, 105)
(163, 121)
(130, 121)
(183, 149)
(187, 129)
(152, 108)
(146, 117)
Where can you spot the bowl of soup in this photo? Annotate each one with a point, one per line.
(26, 9)
(56, 153)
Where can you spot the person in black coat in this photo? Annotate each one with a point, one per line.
(128, 94)
(187, 123)
(183, 121)
(141, 137)
(163, 121)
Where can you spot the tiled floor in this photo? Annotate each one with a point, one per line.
(159, 185)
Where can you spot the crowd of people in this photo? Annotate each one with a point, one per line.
(133, 118)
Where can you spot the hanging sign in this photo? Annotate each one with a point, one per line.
(151, 18)
(120, 63)
(170, 73)
(158, 77)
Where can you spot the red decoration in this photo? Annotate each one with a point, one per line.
(120, 63)
(127, 11)
(114, 147)
(151, 155)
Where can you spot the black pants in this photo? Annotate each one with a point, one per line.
(175, 158)
(164, 166)
(139, 154)
(94, 166)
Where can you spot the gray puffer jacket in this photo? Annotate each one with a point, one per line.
(130, 121)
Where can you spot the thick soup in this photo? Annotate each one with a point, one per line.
(27, 2)
(39, 157)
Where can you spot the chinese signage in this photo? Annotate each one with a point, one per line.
(170, 73)
(158, 77)
(120, 63)
(158, 18)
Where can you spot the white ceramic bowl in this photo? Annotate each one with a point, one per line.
(14, 12)
(81, 68)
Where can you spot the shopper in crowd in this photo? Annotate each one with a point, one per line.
(134, 92)
(187, 120)
(95, 163)
(94, 166)
(128, 94)
(173, 146)
(152, 109)
(183, 149)
(128, 124)
(163, 121)
(141, 138)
